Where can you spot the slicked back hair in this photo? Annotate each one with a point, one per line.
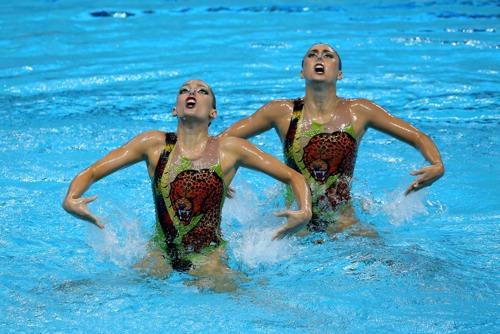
(340, 60)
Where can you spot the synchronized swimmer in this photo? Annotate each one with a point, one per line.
(191, 171)
(321, 133)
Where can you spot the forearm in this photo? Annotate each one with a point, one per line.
(428, 149)
(80, 184)
(301, 192)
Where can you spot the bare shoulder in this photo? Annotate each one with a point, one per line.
(366, 109)
(278, 107)
(149, 139)
(360, 104)
(232, 144)
(152, 135)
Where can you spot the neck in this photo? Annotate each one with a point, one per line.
(321, 98)
(192, 138)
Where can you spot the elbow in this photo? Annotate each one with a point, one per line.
(307, 212)
(440, 167)
(65, 204)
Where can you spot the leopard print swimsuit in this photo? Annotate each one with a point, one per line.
(326, 158)
(188, 196)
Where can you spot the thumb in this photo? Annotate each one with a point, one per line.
(90, 199)
(97, 222)
(278, 234)
(284, 213)
(418, 172)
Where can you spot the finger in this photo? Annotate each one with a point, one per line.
(88, 216)
(418, 172)
(285, 213)
(421, 180)
(278, 235)
(230, 192)
(98, 223)
(94, 220)
(89, 199)
(287, 231)
(411, 188)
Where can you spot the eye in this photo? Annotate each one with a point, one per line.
(329, 55)
(310, 55)
(203, 91)
(183, 91)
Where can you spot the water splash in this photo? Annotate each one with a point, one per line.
(402, 208)
(243, 207)
(256, 247)
(122, 241)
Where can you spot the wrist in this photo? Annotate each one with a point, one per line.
(65, 204)
(439, 165)
(307, 213)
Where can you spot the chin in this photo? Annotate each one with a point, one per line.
(320, 79)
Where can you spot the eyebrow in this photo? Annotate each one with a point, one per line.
(196, 86)
(316, 50)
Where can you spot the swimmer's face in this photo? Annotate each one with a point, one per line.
(195, 100)
(321, 63)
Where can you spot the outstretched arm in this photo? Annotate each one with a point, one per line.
(247, 155)
(132, 152)
(262, 120)
(380, 119)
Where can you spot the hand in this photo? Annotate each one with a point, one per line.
(230, 192)
(296, 220)
(78, 208)
(427, 177)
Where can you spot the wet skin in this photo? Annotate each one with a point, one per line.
(194, 110)
(321, 72)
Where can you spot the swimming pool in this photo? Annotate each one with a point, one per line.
(74, 86)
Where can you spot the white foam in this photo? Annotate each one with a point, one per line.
(402, 208)
(122, 241)
(256, 247)
(243, 207)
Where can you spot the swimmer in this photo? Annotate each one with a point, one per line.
(190, 173)
(321, 133)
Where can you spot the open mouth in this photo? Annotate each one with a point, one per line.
(319, 175)
(184, 214)
(319, 69)
(190, 102)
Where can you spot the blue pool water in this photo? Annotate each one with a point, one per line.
(74, 86)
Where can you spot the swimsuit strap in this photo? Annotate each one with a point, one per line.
(170, 140)
(161, 239)
(298, 105)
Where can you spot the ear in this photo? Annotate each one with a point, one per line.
(340, 76)
(302, 74)
(174, 112)
(212, 114)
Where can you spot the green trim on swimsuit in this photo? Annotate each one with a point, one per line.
(317, 189)
(182, 230)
